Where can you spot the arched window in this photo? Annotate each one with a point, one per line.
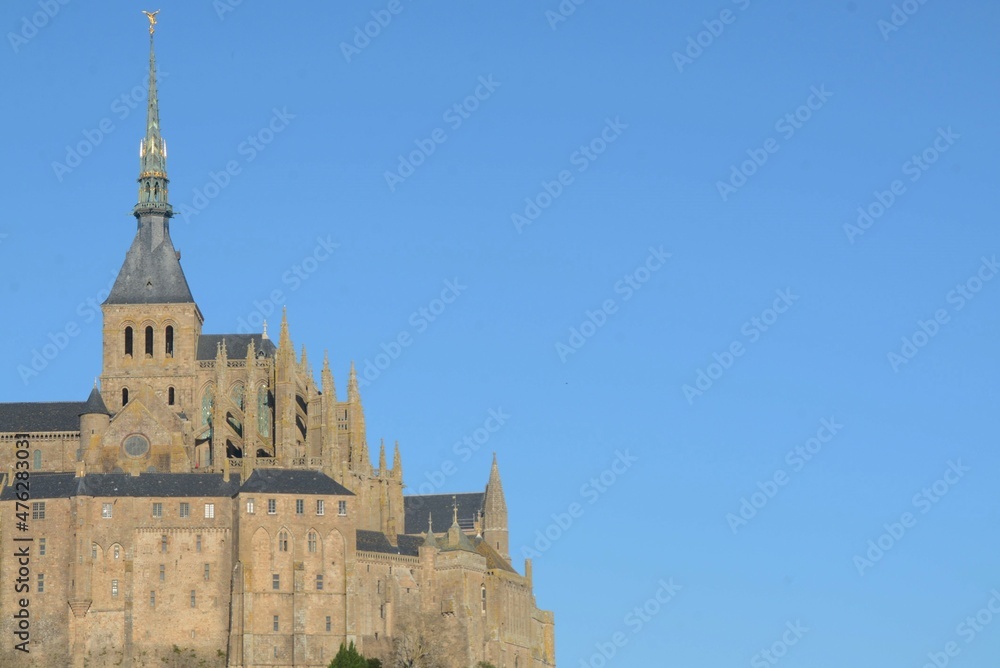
(149, 341)
(263, 412)
(170, 396)
(168, 341)
(124, 396)
(128, 340)
(483, 592)
(207, 403)
(38, 460)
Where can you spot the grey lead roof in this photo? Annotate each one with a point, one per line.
(41, 416)
(151, 273)
(416, 508)
(236, 345)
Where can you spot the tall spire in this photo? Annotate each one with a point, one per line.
(153, 150)
(151, 273)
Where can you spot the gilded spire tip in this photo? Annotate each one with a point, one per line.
(152, 20)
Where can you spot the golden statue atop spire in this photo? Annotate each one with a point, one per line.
(152, 20)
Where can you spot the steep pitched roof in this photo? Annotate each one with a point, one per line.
(493, 558)
(41, 416)
(151, 273)
(95, 404)
(415, 509)
(236, 345)
(296, 481)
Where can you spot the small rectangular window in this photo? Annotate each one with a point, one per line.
(163, 573)
(319, 583)
(276, 622)
(157, 510)
(152, 599)
(185, 509)
(272, 507)
(320, 507)
(197, 543)
(275, 581)
(209, 511)
(329, 624)
(163, 543)
(118, 551)
(114, 588)
(312, 541)
(300, 506)
(41, 583)
(106, 509)
(249, 506)
(38, 510)
(342, 508)
(41, 547)
(192, 598)
(93, 550)
(208, 571)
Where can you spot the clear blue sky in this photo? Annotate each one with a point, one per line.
(879, 97)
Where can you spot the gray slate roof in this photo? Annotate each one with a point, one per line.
(236, 345)
(41, 416)
(45, 486)
(66, 485)
(158, 484)
(151, 273)
(293, 481)
(415, 509)
(376, 541)
(274, 481)
(95, 404)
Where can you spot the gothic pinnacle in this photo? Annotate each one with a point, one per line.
(284, 339)
(381, 458)
(397, 463)
(353, 394)
(326, 378)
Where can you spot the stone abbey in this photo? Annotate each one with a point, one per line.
(210, 504)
